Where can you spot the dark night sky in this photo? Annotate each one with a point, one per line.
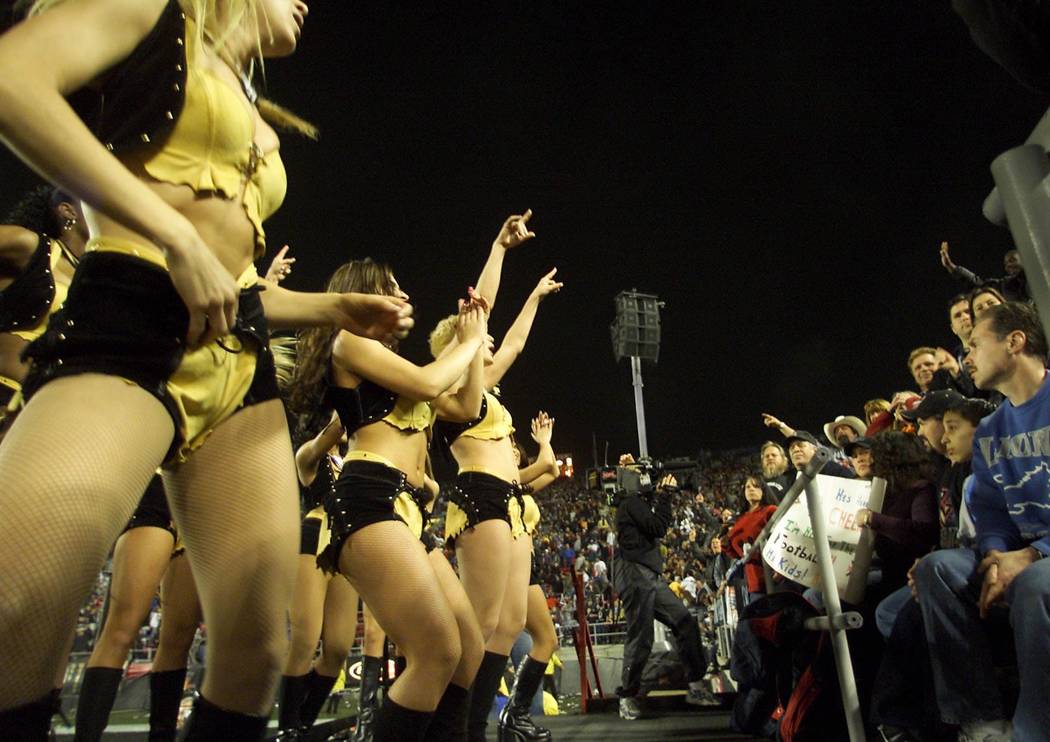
(781, 174)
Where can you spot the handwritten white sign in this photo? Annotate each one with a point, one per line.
(790, 549)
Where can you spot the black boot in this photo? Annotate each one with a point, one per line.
(208, 723)
(450, 720)
(515, 724)
(369, 703)
(97, 694)
(28, 723)
(293, 691)
(165, 697)
(317, 689)
(396, 723)
(486, 683)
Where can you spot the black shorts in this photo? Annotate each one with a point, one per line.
(153, 509)
(310, 536)
(366, 493)
(475, 497)
(122, 317)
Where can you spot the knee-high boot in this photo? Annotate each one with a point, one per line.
(368, 704)
(317, 689)
(395, 723)
(165, 696)
(450, 719)
(515, 724)
(293, 690)
(208, 723)
(28, 723)
(97, 694)
(486, 683)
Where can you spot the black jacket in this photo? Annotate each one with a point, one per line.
(640, 524)
(139, 100)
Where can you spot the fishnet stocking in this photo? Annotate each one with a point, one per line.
(73, 467)
(235, 502)
(340, 626)
(472, 644)
(390, 570)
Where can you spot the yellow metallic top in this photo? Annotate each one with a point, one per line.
(212, 148)
(495, 423)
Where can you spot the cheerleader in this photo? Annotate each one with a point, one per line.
(377, 512)
(159, 352)
(322, 608)
(514, 721)
(486, 507)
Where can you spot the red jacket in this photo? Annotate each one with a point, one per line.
(745, 531)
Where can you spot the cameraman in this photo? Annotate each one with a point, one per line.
(642, 518)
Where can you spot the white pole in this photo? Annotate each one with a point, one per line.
(639, 406)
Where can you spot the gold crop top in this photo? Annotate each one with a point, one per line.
(410, 415)
(212, 148)
(495, 421)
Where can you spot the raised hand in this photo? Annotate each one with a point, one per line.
(383, 318)
(547, 285)
(946, 259)
(281, 267)
(472, 323)
(542, 428)
(515, 230)
(206, 288)
(771, 422)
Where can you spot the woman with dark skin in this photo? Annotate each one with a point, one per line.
(174, 237)
(46, 223)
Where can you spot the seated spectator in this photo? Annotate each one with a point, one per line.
(959, 589)
(907, 527)
(802, 445)
(859, 452)
(922, 362)
(982, 299)
(872, 408)
(843, 429)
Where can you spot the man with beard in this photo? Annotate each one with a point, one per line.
(775, 469)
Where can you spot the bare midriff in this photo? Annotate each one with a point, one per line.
(495, 457)
(221, 223)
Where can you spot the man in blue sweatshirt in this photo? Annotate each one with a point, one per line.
(1010, 505)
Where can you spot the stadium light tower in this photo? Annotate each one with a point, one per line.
(636, 335)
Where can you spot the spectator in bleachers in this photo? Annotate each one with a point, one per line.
(1013, 285)
(859, 452)
(872, 408)
(907, 527)
(802, 445)
(775, 471)
(922, 362)
(961, 589)
(843, 429)
(749, 524)
(982, 299)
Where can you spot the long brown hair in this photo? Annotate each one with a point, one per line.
(314, 348)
